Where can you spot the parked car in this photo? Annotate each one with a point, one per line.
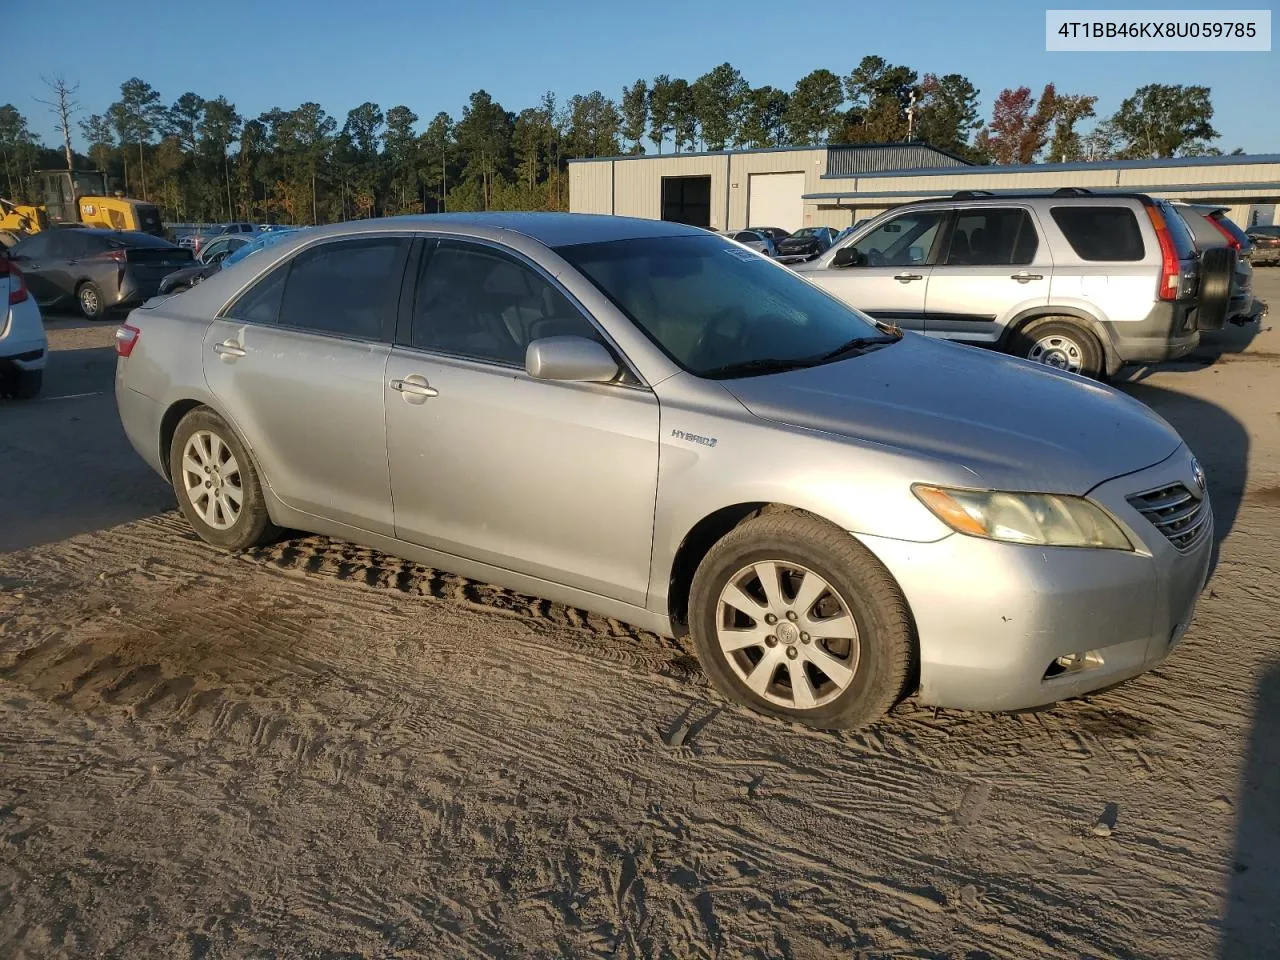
(208, 263)
(1265, 241)
(776, 234)
(1083, 282)
(1227, 247)
(805, 244)
(757, 240)
(23, 347)
(577, 407)
(99, 270)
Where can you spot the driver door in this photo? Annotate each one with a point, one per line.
(889, 279)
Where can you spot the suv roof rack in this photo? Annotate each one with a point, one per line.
(971, 194)
(1073, 192)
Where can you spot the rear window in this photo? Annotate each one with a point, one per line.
(1102, 233)
(1184, 241)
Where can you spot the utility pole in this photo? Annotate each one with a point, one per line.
(62, 106)
(911, 116)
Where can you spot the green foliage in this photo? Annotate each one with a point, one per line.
(813, 110)
(1165, 120)
(635, 114)
(764, 119)
(719, 103)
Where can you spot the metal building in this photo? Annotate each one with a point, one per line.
(790, 187)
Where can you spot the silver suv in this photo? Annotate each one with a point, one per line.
(1081, 281)
(651, 422)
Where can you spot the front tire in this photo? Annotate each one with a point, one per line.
(216, 483)
(92, 304)
(793, 617)
(1063, 345)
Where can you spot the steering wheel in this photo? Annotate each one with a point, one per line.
(711, 333)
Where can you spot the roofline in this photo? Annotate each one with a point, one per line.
(1075, 167)
(792, 149)
(1127, 191)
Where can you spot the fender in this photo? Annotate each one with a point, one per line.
(1087, 319)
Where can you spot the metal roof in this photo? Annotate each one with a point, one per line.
(846, 160)
(918, 149)
(1076, 167)
(942, 194)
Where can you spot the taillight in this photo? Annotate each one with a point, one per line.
(1232, 242)
(126, 339)
(17, 282)
(117, 255)
(1170, 277)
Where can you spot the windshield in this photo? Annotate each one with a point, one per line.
(712, 306)
(806, 232)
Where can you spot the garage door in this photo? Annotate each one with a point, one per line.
(773, 200)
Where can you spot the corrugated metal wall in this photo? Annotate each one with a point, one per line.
(590, 187)
(852, 160)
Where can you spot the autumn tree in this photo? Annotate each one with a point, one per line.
(1019, 126)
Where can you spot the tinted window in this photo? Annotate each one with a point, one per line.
(261, 302)
(34, 247)
(903, 241)
(709, 304)
(746, 236)
(473, 301)
(1103, 233)
(1184, 240)
(991, 237)
(345, 287)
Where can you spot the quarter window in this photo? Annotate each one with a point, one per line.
(1101, 233)
(261, 303)
(903, 241)
(345, 287)
(992, 238)
(473, 301)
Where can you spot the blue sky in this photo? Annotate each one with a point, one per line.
(431, 55)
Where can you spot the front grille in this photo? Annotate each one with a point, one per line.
(1176, 512)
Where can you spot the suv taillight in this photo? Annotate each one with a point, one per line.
(1232, 242)
(1170, 273)
(126, 339)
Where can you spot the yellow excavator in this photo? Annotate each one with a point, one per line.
(71, 198)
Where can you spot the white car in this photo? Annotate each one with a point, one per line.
(23, 346)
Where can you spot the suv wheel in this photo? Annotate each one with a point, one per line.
(793, 617)
(216, 483)
(1061, 344)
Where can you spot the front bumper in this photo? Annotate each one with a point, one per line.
(993, 619)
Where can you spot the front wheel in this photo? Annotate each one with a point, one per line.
(92, 305)
(793, 617)
(217, 486)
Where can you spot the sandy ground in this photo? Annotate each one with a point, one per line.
(317, 751)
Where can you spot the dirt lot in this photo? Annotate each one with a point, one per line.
(316, 751)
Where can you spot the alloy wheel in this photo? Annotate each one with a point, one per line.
(211, 478)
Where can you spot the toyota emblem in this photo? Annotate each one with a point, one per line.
(1197, 474)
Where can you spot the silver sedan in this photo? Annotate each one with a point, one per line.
(648, 421)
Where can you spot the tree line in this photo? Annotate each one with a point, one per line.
(200, 159)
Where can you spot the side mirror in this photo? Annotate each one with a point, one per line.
(569, 358)
(849, 257)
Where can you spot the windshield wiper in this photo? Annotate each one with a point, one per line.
(759, 365)
(857, 343)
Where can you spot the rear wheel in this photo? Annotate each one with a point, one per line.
(1061, 344)
(793, 617)
(92, 304)
(217, 486)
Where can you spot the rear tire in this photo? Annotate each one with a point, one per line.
(92, 304)
(217, 484)
(1061, 344)
(838, 618)
(1217, 270)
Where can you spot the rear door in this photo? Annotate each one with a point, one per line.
(297, 365)
(888, 279)
(994, 267)
(43, 261)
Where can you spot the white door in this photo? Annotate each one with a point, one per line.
(774, 200)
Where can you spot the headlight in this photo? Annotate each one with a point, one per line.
(1044, 519)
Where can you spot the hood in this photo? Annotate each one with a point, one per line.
(799, 245)
(1014, 424)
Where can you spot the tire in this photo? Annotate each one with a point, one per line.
(1217, 270)
(204, 439)
(1062, 344)
(870, 649)
(90, 300)
(24, 384)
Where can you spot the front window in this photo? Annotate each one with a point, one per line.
(902, 242)
(718, 310)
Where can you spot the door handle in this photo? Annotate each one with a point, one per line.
(414, 389)
(1025, 277)
(229, 350)
(907, 277)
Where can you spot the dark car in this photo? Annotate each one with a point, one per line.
(1266, 243)
(209, 262)
(100, 270)
(806, 243)
(776, 234)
